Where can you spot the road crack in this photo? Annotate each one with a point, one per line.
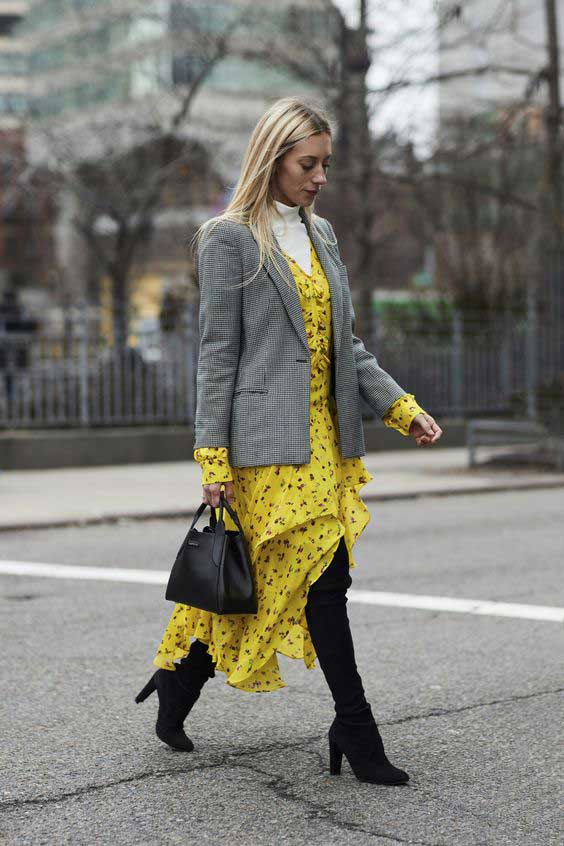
(283, 789)
(233, 756)
(224, 760)
(445, 712)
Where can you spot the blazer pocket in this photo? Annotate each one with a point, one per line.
(251, 383)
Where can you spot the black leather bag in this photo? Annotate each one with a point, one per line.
(212, 570)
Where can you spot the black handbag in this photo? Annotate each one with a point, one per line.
(212, 570)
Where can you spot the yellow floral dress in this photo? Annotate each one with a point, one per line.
(293, 517)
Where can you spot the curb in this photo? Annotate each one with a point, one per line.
(189, 513)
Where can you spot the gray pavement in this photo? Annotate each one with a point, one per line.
(93, 494)
(470, 706)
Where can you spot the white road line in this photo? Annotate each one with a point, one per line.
(70, 571)
(545, 613)
(465, 606)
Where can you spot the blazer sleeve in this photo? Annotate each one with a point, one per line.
(376, 386)
(219, 271)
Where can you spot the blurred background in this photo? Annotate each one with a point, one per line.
(122, 128)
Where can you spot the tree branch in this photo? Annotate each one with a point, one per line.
(397, 85)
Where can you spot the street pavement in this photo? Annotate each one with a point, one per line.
(470, 705)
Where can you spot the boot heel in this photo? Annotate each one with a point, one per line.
(335, 759)
(149, 688)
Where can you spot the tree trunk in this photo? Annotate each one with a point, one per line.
(547, 226)
(552, 188)
(120, 317)
(354, 154)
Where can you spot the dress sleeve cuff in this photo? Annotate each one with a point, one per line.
(401, 413)
(215, 465)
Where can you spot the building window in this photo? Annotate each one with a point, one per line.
(8, 24)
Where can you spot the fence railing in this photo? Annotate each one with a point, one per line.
(79, 380)
(475, 368)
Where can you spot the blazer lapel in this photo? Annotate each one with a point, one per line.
(286, 285)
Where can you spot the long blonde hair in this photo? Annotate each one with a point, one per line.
(285, 123)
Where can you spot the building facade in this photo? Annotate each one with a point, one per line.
(13, 64)
(105, 78)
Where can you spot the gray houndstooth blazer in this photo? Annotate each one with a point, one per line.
(253, 378)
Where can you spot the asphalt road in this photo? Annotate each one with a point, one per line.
(470, 706)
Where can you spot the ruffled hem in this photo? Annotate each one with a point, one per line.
(289, 633)
(289, 636)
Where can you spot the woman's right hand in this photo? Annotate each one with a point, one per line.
(211, 493)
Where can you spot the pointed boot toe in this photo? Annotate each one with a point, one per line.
(176, 738)
(178, 691)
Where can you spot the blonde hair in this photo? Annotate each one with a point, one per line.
(285, 123)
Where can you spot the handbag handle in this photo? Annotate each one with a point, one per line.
(222, 502)
(232, 513)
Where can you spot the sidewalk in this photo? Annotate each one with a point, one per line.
(42, 498)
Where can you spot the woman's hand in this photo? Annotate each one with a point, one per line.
(211, 493)
(425, 430)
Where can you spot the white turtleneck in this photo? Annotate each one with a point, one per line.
(291, 234)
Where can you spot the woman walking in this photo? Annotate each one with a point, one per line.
(278, 426)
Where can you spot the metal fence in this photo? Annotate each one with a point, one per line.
(77, 379)
(475, 367)
(509, 363)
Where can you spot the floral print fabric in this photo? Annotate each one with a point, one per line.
(293, 517)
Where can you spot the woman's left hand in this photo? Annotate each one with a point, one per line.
(425, 430)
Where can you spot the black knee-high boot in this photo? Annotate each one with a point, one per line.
(178, 692)
(353, 732)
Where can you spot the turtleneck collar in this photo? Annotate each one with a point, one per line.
(292, 234)
(289, 214)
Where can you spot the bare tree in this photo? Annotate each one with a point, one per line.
(114, 167)
(494, 177)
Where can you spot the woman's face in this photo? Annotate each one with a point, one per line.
(302, 171)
